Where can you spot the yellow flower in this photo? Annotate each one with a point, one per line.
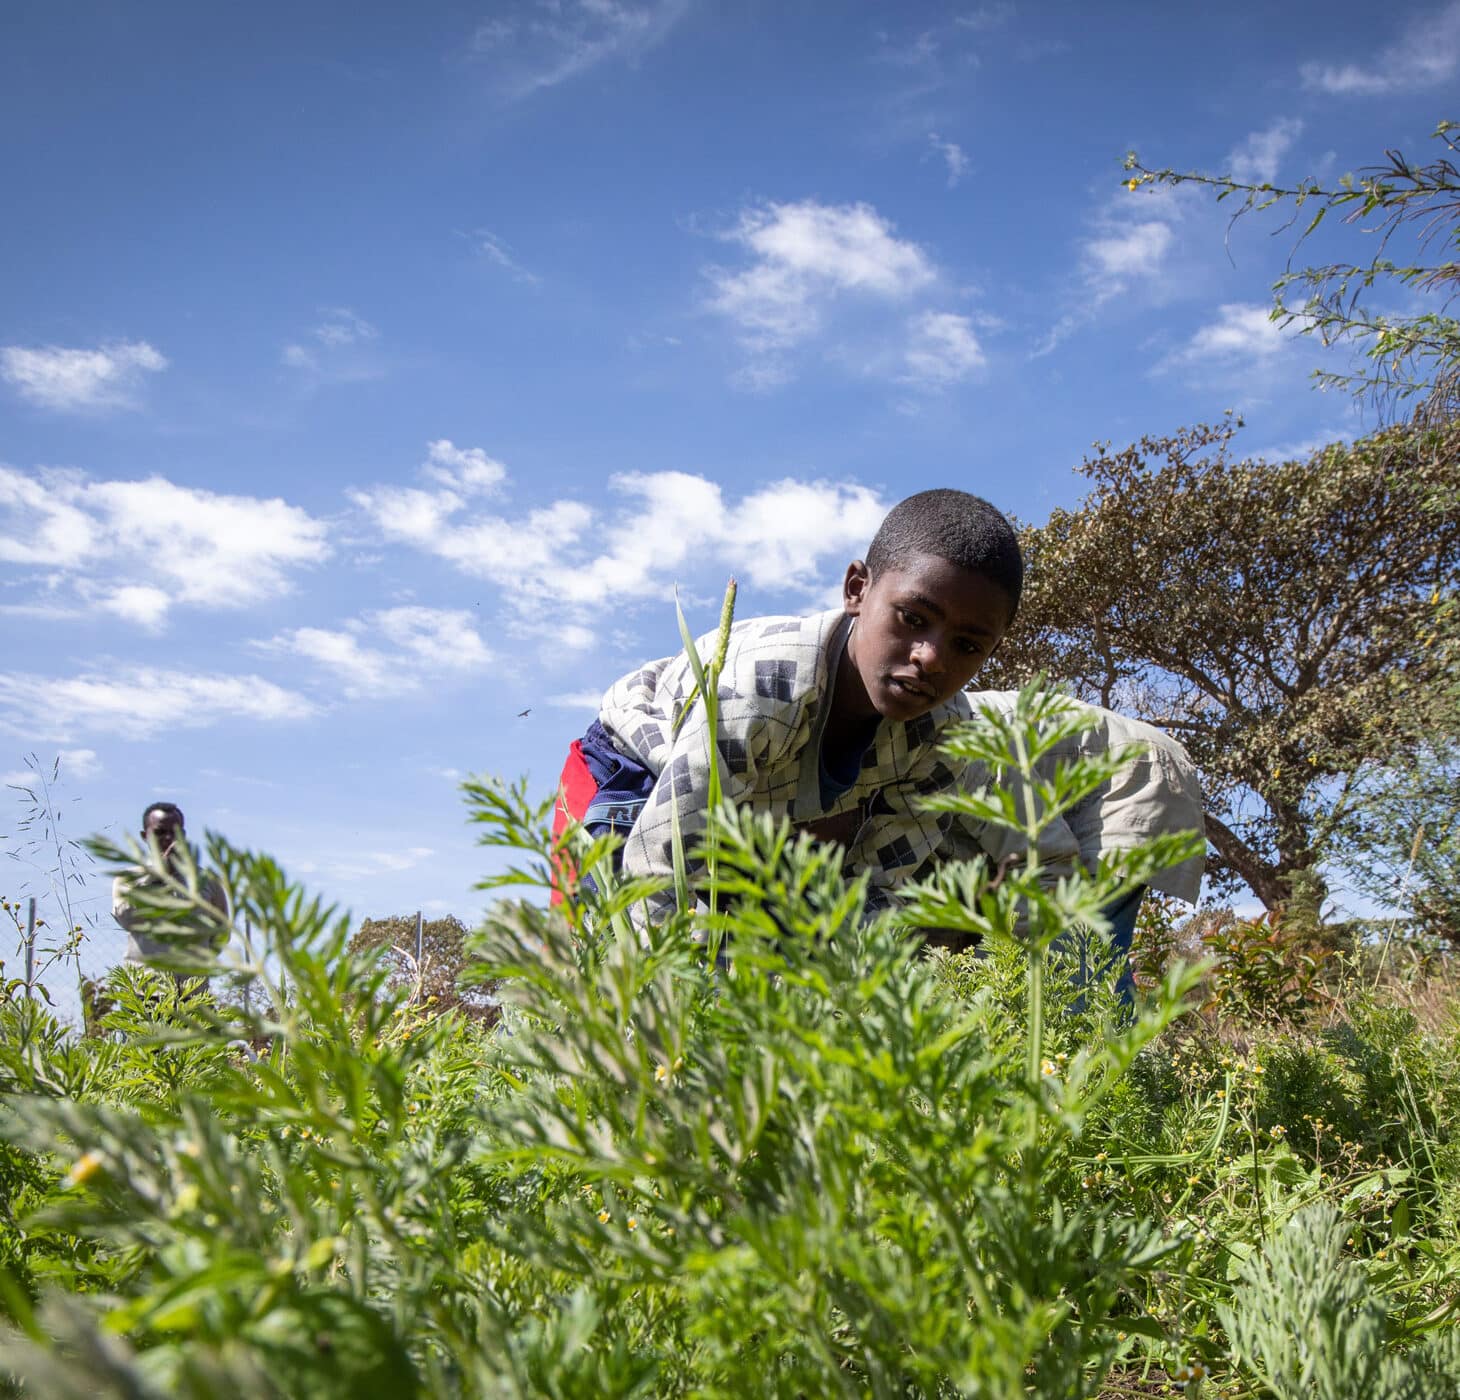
(660, 1074)
(603, 1217)
(87, 1165)
(1047, 1068)
(1132, 184)
(633, 1223)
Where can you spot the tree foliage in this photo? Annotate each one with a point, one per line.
(435, 979)
(1288, 622)
(1409, 356)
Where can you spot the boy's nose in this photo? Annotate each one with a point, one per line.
(929, 655)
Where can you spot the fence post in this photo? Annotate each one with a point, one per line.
(248, 985)
(420, 930)
(30, 950)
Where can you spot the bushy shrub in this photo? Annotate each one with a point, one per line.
(765, 1146)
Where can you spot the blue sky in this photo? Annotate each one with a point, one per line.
(369, 374)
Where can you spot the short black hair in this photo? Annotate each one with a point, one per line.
(953, 525)
(170, 808)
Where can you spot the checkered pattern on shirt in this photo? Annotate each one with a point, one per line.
(776, 680)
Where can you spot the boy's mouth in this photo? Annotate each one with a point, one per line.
(909, 686)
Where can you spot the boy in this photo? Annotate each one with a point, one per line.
(832, 720)
(1157, 792)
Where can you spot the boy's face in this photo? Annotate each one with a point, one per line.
(164, 826)
(922, 632)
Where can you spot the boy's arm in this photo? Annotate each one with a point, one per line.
(683, 786)
(123, 910)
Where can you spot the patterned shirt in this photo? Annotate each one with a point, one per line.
(1158, 791)
(774, 696)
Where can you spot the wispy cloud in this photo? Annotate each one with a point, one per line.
(983, 18)
(528, 47)
(76, 764)
(332, 349)
(390, 652)
(139, 702)
(365, 865)
(1125, 252)
(136, 549)
(577, 700)
(777, 537)
(1243, 332)
(942, 349)
(1258, 159)
(1425, 54)
(500, 252)
(74, 380)
(953, 157)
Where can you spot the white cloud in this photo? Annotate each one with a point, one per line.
(1242, 331)
(777, 537)
(1257, 159)
(528, 47)
(139, 603)
(953, 157)
(390, 652)
(137, 548)
(1133, 251)
(80, 764)
(1426, 54)
(465, 469)
(942, 349)
(139, 702)
(72, 380)
(804, 256)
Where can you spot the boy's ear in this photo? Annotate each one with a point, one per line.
(854, 587)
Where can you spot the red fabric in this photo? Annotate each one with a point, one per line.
(576, 789)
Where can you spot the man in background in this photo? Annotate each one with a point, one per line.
(163, 823)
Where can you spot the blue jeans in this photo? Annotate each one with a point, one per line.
(1122, 915)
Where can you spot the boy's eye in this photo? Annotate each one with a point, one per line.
(910, 619)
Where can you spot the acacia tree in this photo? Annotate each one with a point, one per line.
(443, 957)
(1287, 621)
(1410, 356)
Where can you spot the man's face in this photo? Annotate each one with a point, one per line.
(922, 632)
(165, 826)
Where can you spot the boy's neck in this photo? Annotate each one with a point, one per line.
(851, 715)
